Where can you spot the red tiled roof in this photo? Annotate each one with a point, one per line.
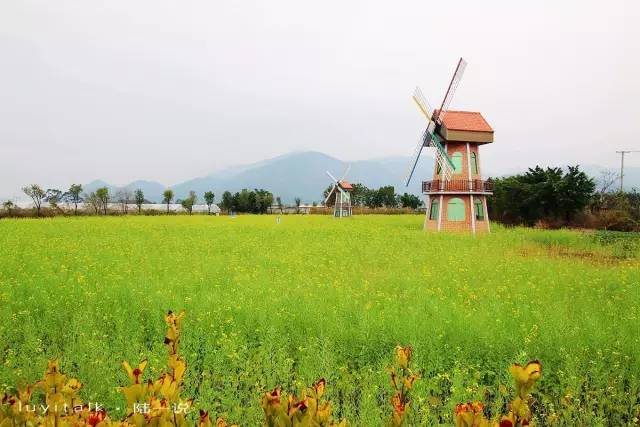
(345, 185)
(466, 121)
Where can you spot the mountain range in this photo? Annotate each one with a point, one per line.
(298, 174)
(303, 174)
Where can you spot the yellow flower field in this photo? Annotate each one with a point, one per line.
(312, 297)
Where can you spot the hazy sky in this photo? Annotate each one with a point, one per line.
(167, 91)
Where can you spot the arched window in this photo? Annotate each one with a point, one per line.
(456, 158)
(434, 210)
(455, 210)
(479, 210)
(474, 163)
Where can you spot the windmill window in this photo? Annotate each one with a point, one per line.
(479, 210)
(456, 159)
(455, 210)
(435, 207)
(474, 164)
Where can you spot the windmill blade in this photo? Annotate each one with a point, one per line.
(333, 178)
(416, 156)
(333, 187)
(435, 142)
(431, 139)
(442, 158)
(425, 138)
(422, 103)
(453, 85)
(345, 172)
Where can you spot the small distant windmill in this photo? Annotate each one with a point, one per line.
(340, 195)
(456, 197)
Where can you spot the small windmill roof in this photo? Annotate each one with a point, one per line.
(469, 121)
(345, 185)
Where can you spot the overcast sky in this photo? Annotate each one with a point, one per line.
(167, 91)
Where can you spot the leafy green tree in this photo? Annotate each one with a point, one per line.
(167, 197)
(37, 195)
(227, 201)
(242, 201)
(256, 201)
(73, 196)
(209, 197)
(138, 196)
(189, 201)
(359, 194)
(541, 194)
(325, 194)
(386, 196)
(574, 192)
(264, 200)
(371, 199)
(409, 201)
(102, 194)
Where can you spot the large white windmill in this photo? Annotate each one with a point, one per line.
(340, 195)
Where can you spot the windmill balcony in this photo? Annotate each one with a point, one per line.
(457, 186)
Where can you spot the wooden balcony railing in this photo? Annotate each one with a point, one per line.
(464, 185)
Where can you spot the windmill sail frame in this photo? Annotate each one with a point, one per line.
(429, 137)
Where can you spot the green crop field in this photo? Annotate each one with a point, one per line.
(311, 297)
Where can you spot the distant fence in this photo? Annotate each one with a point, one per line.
(322, 210)
(152, 209)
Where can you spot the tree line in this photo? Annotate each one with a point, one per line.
(384, 196)
(256, 201)
(554, 197)
(551, 196)
(98, 201)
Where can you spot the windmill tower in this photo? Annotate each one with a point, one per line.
(456, 197)
(340, 195)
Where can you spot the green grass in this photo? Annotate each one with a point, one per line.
(271, 304)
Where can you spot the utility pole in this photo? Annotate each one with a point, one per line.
(622, 153)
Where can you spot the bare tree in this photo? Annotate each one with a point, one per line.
(607, 178)
(93, 201)
(188, 203)
(53, 196)
(37, 195)
(123, 196)
(298, 201)
(8, 205)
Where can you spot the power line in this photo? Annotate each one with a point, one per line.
(622, 153)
